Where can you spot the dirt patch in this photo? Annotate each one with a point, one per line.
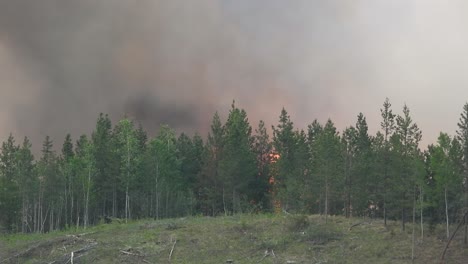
(58, 250)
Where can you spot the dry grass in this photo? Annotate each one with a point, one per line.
(241, 238)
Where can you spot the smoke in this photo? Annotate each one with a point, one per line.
(177, 62)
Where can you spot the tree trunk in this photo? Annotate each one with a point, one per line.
(403, 219)
(128, 179)
(465, 239)
(86, 216)
(77, 221)
(84, 205)
(114, 199)
(66, 204)
(414, 224)
(224, 203)
(72, 203)
(326, 198)
(421, 198)
(384, 210)
(34, 215)
(233, 201)
(385, 180)
(167, 203)
(126, 204)
(51, 219)
(446, 213)
(23, 213)
(156, 191)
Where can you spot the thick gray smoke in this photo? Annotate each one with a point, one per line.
(178, 61)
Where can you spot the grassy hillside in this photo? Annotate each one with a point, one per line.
(240, 239)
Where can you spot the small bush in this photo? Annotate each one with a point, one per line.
(244, 225)
(320, 234)
(297, 223)
(173, 226)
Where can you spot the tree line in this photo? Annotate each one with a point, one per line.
(118, 171)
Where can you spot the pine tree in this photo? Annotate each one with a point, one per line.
(315, 185)
(164, 167)
(189, 153)
(106, 166)
(349, 155)
(49, 182)
(66, 170)
(209, 195)
(409, 137)
(128, 153)
(388, 127)
(284, 144)
(366, 188)
(262, 148)
(445, 174)
(330, 166)
(462, 133)
(27, 184)
(9, 194)
(237, 166)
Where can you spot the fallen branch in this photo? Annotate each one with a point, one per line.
(86, 248)
(172, 250)
(360, 223)
(453, 235)
(38, 245)
(132, 254)
(264, 256)
(85, 234)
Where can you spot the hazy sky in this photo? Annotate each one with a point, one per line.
(171, 61)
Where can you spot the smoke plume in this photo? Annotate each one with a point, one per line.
(177, 62)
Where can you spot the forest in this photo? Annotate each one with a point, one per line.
(119, 172)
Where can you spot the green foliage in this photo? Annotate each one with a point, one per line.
(330, 167)
(319, 234)
(297, 223)
(9, 192)
(293, 169)
(121, 172)
(237, 164)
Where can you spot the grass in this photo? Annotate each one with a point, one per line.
(240, 238)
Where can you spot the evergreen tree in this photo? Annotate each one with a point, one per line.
(106, 166)
(164, 166)
(366, 192)
(209, 194)
(49, 182)
(409, 155)
(314, 183)
(284, 144)
(262, 148)
(189, 153)
(446, 176)
(9, 194)
(462, 133)
(388, 127)
(127, 150)
(330, 167)
(66, 170)
(299, 186)
(84, 166)
(237, 164)
(27, 182)
(349, 152)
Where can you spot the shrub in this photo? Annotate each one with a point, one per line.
(297, 223)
